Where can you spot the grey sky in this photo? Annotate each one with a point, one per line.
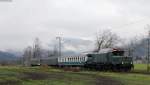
(23, 20)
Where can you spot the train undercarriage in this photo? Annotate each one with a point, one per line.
(110, 67)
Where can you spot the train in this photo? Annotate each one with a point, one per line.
(105, 59)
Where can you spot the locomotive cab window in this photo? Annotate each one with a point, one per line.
(89, 55)
(118, 53)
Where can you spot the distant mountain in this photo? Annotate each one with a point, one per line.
(7, 56)
(16, 53)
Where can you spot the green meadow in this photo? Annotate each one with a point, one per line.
(140, 67)
(51, 76)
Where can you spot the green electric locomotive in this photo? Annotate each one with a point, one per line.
(106, 59)
(113, 59)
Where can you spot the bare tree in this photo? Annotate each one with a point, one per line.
(131, 46)
(27, 56)
(105, 39)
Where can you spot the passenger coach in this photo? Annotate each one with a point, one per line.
(74, 61)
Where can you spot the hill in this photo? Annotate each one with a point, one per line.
(7, 56)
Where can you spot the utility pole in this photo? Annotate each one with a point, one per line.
(148, 49)
(59, 42)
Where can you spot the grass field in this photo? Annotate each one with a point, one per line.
(139, 78)
(39, 76)
(51, 76)
(141, 67)
(129, 78)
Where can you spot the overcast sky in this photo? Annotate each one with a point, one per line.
(23, 20)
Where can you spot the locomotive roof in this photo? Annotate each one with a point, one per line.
(107, 50)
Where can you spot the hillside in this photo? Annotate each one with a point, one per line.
(7, 56)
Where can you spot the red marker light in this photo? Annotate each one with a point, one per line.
(115, 49)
